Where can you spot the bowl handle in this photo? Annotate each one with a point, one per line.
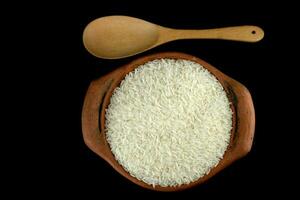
(244, 119)
(93, 104)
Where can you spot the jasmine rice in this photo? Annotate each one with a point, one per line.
(169, 122)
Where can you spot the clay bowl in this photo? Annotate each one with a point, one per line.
(98, 98)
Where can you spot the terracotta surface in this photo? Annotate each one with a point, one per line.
(98, 97)
(114, 37)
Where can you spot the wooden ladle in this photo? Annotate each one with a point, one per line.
(115, 37)
(98, 97)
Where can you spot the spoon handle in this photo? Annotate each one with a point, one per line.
(237, 33)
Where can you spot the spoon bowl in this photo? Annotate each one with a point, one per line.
(119, 36)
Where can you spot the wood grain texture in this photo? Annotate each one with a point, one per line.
(98, 97)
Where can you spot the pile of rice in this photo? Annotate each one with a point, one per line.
(169, 122)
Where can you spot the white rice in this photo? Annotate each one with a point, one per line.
(169, 122)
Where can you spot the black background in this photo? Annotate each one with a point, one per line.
(60, 161)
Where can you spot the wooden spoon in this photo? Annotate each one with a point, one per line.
(114, 37)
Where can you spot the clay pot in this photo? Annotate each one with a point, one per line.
(98, 98)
